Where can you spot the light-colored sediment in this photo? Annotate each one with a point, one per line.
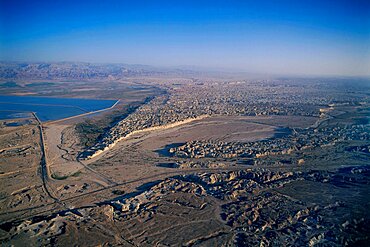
(162, 127)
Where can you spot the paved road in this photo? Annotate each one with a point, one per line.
(44, 168)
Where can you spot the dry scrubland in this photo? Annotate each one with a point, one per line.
(193, 162)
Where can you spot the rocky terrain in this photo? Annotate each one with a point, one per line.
(300, 140)
(241, 208)
(236, 99)
(187, 162)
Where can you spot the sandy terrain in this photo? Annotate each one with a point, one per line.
(127, 197)
(209, 207)
(242, 129)
(21, 185)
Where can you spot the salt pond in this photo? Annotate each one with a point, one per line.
(48, 109)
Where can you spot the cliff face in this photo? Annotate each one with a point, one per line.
(111, 140)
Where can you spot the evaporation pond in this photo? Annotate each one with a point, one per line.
(48, 109)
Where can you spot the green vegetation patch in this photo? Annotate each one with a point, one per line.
(58, 177)
(63, 177)
(89, 131)
(76, 174)
(92, 130)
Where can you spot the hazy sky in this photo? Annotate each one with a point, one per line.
(295, 37)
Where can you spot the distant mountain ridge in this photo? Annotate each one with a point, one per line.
(81, 70)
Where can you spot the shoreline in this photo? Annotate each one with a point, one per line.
(85, 112)
(82, 115)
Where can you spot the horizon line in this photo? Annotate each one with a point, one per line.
(197, 68)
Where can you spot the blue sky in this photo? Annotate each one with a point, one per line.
(280, 37)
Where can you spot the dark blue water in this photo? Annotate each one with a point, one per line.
(49, 108)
